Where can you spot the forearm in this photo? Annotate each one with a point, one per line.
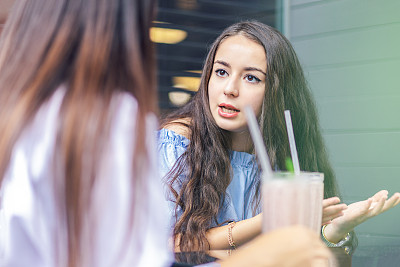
(334, 233)
(242, 232)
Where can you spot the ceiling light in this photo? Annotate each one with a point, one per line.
(166, 35)
(178, 98)
(188, 83)
(194, 71)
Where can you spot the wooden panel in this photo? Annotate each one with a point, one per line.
(372, 179)
(295, 3)
(351, 47)
(341, 15)
(371, 79)
(359, 113)
(367, 239)
(377, 252)
(387, 222)
(364, 150)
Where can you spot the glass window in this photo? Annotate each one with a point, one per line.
(185, 29)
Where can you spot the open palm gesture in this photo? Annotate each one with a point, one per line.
(361, 211)
(358, 212)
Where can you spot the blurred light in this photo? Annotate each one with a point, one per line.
(167, 36)
(178, 98)
(188, 83)
(187, 4)
(194, 71)
(160, 22)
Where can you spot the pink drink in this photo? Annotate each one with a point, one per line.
(316, 183)
(290, 200)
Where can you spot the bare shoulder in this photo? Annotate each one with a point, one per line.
(179, 126)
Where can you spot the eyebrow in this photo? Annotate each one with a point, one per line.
(226, 64)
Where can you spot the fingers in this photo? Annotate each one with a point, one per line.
(332, 212)
(330, 201)
(367, 205)
(292, 246)
(332, 209)
(382, 204)
(376, 207)
(379, 195)
(391, 202)
(397, 195)
(359, 212)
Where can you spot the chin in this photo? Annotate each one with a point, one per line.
(231, 128)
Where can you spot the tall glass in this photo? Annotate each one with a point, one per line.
(291, 200)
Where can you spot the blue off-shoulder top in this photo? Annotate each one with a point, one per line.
(238, 204)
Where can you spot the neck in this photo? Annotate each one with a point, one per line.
(241, 141)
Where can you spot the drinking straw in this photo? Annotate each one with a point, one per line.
(292, 143)
(258, 142)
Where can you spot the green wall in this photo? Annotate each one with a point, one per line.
(350, 50)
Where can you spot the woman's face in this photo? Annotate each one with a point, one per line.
(237, 80)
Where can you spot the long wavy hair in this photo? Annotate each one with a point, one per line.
(206, 162)
(94, 48)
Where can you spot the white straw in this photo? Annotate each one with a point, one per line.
(258, 142)
(292, 143)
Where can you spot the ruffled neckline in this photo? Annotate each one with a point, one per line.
(238, 158)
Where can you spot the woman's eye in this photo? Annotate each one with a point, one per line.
(221, 72)
(252, 78)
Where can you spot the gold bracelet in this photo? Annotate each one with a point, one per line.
(332, 244)
(230, 238)
(323, 234)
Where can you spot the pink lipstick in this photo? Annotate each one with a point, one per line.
(227, 110)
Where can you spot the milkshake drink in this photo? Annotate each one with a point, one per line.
(316, 181)
(291, 200)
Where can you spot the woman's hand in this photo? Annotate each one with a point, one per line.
(359, 212)
(332, 208)
(242, 232)
(292, 247)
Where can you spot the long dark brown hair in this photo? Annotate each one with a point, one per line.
(206, 161)
(93, 48)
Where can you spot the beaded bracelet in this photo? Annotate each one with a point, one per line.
(230, 238)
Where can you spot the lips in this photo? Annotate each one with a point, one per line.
(227, 111)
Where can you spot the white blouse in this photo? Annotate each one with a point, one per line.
(28, 224)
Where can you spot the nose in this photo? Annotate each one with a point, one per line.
(231, 88)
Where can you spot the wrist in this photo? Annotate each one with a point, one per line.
(230, 237)
(258, 223)
(334, 235)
